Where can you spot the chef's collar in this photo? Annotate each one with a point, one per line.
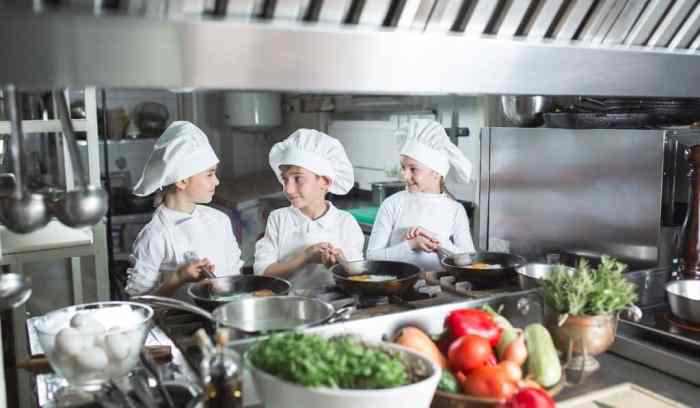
(419, 194)
(325, 221)
(176, 217)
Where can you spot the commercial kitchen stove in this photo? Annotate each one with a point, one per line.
(436, 288)
(661, 341)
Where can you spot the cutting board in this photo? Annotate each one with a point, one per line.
(621, 396)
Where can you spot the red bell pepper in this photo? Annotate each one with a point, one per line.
(472, 321)
(529, 398)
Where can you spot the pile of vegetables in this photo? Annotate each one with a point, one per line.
(483, 355)
(340, 362)
(589, 291)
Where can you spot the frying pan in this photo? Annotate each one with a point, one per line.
(262, 314)
(491, 276)
(201, 292)
(406, 275)
(684, 299)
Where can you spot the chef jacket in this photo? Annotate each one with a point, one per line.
(289, 231)
(161, 246)
(437, 213)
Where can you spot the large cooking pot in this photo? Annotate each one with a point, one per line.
(405, 276)
(256, 315)
(684, 299)
(227, 286)
(487, 276)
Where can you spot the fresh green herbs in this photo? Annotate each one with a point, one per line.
(590, 291)
(340, 362)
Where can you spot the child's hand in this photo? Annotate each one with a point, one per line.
(421, 243)
(316, 253)
(420, 239)
(192, 271)
(414, 232)
(332, 256)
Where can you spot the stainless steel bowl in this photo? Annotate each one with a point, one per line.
(525, 111)
(531, 275)
(684, 298)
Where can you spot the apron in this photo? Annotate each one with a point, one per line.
(208, 245)
(418, 211)
(313, 275)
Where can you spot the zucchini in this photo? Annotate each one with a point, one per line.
(501, 321)
(542, 361)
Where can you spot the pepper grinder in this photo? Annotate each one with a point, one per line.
(691, 228)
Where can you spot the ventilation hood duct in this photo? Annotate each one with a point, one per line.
(398, 47)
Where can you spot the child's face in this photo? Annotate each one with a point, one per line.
(302, 187)
(200, 187)
(418, 177)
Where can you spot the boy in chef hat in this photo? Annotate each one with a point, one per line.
(412, 224)
(183, 237)
(301, 241)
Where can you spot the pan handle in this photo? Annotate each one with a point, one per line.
(173, 304)
(341, 314)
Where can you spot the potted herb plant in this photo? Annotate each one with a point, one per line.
(585, 306)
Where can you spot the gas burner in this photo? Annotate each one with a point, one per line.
(363, 302)
(682, 325)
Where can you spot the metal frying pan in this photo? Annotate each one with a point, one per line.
(684, 299)
(204, 295)
(263, 314)
(404, 276)
(489, 276)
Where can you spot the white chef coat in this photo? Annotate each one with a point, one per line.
(288, 231)
(437, 213)
(161, 245)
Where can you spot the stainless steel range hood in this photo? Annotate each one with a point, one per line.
(602, 47)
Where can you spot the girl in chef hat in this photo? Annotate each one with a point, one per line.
(411, 224)
(301, 241)
(182, 237)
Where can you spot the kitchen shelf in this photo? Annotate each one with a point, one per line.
(44, 126)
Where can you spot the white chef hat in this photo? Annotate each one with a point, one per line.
(318, 153)
(183, 150)
(426, 141)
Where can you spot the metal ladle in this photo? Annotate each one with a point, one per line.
(15, 289)
(87, 204)
(21, 211)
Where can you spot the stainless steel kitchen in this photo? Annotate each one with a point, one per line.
(350, 203)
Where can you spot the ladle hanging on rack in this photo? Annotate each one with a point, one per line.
(21, 211)
(87, 204)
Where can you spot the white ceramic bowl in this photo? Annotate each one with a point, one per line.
(277, 393)
(92, 343)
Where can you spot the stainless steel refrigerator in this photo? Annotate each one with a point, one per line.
(620, 192)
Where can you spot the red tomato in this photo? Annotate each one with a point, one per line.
(489, 382)
(469, 352)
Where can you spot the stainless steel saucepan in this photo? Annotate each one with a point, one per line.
(263, 314)
(684, 298)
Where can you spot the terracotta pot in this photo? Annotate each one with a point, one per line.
(592, 335)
